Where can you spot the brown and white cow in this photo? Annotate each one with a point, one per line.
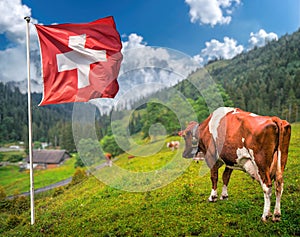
(173, 145)
(245, 141)
(108, 158)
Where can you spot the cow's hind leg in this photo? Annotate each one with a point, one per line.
(265, 181)
(278, 192)
(266, 184)
(267, 202)
(281, 162)
(226, 176)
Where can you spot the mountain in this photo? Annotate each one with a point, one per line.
(264, 80)
(22, 86)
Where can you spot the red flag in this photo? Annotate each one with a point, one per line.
(80, 61)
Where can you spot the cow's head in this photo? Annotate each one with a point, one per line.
(191, 137)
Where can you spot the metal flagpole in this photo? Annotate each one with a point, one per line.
(27, 19)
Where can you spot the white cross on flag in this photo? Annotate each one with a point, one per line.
(80, 61)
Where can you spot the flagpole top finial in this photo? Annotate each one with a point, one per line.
(27, 18)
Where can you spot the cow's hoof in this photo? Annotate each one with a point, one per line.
(225, 197)
(265, 218)
(213, 198)
(276, 217)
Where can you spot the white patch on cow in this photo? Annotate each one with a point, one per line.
(243, 140)
(213, 195)
(279, 161)
(245, 161)
(242, 153)
(253, 115)
(251, 168)
(214, 122)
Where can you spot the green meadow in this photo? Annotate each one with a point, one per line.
(178, 208)
(14, 181)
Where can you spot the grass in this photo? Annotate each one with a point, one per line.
(180, 208)
(149, 158)
(15, 181)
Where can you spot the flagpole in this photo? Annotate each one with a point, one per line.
(27, 19)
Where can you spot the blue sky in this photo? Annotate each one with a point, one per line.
(167, 23)
(202, 29)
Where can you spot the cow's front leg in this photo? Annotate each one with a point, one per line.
(214, 179)
(226, 176)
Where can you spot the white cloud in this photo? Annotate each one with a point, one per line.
(228, 3)
(12, 23)
(229, 48)
(216, 50)
(134, 41)
(13, 27)
(198, 59)
(211, 11)
(260, 38)
(145, 70)
(15, 63)
(137, 54)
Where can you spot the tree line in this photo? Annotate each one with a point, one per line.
(49, 123)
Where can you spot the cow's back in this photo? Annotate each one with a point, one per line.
(243, 130)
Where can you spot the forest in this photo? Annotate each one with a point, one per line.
(264, 80)
(46, 121)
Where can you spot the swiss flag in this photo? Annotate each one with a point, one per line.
(80, 61)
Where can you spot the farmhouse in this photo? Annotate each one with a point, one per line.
(46, 159)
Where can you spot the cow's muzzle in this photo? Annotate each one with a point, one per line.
(190, 154)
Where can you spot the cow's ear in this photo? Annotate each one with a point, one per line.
(181, 133)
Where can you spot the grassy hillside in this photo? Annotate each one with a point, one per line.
(179, 209)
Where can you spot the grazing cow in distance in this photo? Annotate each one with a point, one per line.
(108, 158)
(257, 145)
(173, 145)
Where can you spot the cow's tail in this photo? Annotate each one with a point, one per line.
(280, 145)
